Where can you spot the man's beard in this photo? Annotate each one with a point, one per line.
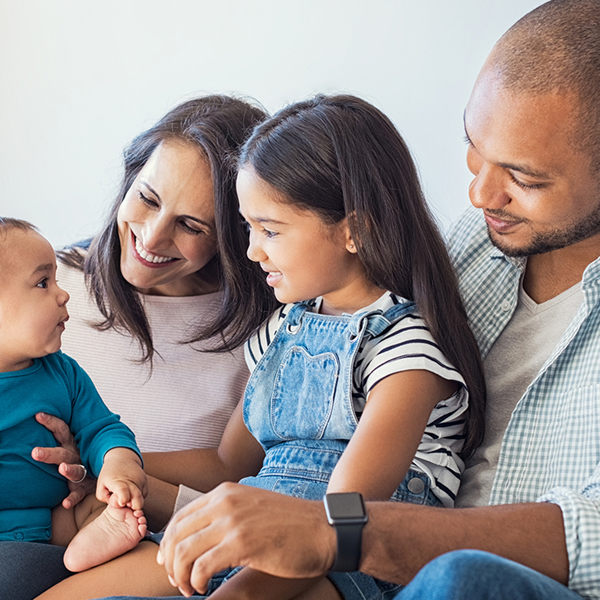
(551, 240)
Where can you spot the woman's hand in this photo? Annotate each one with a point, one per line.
(66, 456)
(236, 525)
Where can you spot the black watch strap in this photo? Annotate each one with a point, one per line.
(349, 541)
(346, 513)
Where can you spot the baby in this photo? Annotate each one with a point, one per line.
(36, 377)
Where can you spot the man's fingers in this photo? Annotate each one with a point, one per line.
(205, 566)
(186, 553)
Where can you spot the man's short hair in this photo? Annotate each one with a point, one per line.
(556, 49)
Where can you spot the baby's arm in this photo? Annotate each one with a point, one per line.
(122, 475)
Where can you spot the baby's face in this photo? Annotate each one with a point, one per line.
(32, 307)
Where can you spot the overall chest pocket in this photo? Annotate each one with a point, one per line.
(303, 393)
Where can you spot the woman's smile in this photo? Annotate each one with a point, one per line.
(148, 259)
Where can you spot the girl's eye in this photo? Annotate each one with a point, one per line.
(43, 283)
(269, 233)
(147, 201)
(526, 186)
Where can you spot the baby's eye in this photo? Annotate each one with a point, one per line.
(43, 283)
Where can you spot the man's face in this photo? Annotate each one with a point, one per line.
(536, 190)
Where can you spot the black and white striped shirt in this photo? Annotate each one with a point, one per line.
(406, 346)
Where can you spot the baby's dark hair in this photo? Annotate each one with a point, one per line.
(8, 223)
(341, 157)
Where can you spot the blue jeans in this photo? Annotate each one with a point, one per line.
(476, 575)
(27, 569)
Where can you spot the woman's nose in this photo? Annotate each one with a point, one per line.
(156, 234)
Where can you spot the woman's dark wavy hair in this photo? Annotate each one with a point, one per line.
(341, 157)
(217, 126)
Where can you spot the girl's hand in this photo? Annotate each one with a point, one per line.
(66, 456)
(239, 525)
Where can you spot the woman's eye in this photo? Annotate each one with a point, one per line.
(190, 230)
(147, 201)
(269, 233)
(43, 283)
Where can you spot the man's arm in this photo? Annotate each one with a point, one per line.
(401, 538)
(289, 537)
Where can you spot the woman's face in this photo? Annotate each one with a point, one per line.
(167, 223)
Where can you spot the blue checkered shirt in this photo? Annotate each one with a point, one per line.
(551, 448)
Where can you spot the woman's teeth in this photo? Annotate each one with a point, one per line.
(150, 257)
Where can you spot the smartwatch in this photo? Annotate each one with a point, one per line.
(346, 513)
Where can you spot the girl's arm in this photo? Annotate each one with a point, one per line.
(238, 455)
(387, 437)
(375, 462)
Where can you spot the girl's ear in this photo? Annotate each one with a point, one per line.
(350, 245)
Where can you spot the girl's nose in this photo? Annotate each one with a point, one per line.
(255, 252)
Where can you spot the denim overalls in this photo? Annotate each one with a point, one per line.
(298, 405)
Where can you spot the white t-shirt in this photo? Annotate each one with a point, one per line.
(406, 346)
(187, 398)
(510, 366)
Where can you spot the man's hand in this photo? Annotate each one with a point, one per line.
(66, 457)
(236, 525)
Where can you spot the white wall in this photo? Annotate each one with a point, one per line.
(80, 78)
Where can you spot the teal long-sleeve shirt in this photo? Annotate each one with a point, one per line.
(57, 385)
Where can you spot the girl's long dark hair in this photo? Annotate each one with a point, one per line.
(217, 126)
(341, 157)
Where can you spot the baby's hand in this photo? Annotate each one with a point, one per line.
(122, 476)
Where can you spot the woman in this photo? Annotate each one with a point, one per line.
(154, 288)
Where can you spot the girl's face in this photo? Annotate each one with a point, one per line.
(302, 256)
(167, 223)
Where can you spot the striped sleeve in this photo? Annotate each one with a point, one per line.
(407, 345)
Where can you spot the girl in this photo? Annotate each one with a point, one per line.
(368, 379)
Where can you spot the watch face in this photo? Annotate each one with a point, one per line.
(346, 506)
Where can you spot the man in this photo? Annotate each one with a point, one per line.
(527, 261)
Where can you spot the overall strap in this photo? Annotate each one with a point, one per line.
(378, 321)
